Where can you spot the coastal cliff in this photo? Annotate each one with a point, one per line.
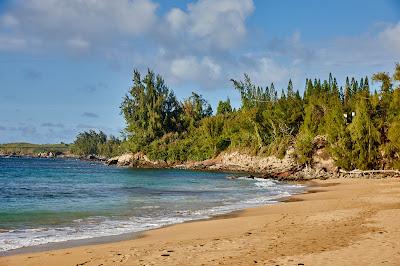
(286, 168)
(260, 166)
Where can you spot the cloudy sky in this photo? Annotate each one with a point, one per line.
(65, 65)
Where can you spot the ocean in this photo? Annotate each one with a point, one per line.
(54, 200)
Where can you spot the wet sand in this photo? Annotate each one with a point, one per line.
(342, 222)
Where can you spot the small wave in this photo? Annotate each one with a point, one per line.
(265, 183)
(149, 207)
(270, 183)
(31, 237)
(99, 226)
(90, 228)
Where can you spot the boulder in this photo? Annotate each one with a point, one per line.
(126, 159)
(250, 163)
(91, 157)
(42, 155)
(94, 157)
(322, 160)
(138, 159)
(112, 161)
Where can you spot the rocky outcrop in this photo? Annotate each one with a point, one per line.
(321, 159)
(134, 160)
(260, 166)
(287, 168)
(94, 157)
(239, 161)
(113, 160)
(32, 154)
(123, 160)
(117, 161)
(49, 154)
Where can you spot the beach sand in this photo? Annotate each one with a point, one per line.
(340, 222)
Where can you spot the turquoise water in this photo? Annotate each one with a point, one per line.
(52, 200)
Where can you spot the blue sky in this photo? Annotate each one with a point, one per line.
(65, 65)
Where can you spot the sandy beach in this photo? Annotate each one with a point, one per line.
(339, 222)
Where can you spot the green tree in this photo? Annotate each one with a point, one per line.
(88, 142)
(112, 147)
(224, 107)
(150, 109)
(253, 96)
(386, 81)
(213, 129)
(267, 122)
(290, 89)
(396, 75)
(347, 94)
(365, 136)
(195, 108)
(382, 110)
(393, 146)
(304, 147)
(338, 136)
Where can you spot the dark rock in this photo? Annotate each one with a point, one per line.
(112, 161)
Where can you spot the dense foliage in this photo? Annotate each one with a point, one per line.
(93, 143)
(362, 128)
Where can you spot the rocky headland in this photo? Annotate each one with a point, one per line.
(286, 168)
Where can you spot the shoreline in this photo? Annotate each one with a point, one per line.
(104, 239)
(269, 167)
(136, 235)
(340, 222)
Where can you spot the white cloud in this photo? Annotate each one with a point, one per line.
(264, 70)
(90, 16)
(120, 28)
(219, 24)
(391, 37)
(211, 73)
(9, 21)
(11, 43)
(176, 19)
(55, 22)
(195, 43)
(376, 49)
(78, 44)
(194, 70)
(213, 67)
(202, 44)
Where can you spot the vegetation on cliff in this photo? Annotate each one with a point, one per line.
(362, 128)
